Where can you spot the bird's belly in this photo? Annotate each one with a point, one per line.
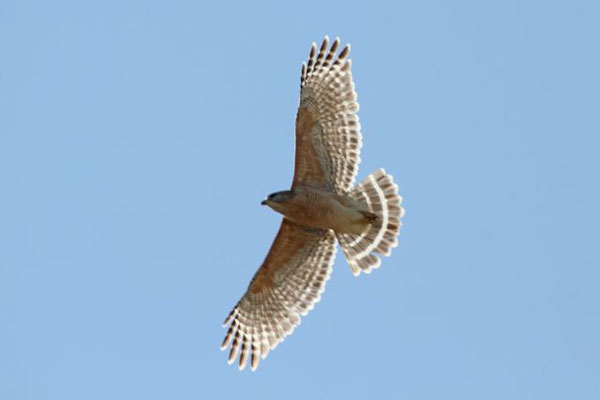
(322, 210)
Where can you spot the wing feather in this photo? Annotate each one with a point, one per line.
(328, 138)
(287, 286)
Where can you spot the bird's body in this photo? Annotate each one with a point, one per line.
(317, 208)
(323, 207)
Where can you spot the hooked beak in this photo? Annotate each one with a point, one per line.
(263, 203)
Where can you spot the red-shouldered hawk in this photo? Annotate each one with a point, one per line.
(321, 209)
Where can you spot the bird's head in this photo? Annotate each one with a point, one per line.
(278, 200)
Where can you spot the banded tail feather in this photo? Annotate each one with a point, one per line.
(380, 194)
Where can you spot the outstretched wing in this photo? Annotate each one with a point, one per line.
(328, 138)
(286, 286)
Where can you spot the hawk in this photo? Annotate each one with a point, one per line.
(322, 208)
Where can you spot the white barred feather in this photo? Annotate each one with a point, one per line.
(379, 194)
(260, 321)
(329, 88)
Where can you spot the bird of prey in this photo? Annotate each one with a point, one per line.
(322, 208)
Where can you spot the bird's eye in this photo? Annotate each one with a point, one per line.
(277, 196)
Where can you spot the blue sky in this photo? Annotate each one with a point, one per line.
(137, 140)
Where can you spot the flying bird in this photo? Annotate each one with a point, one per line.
(323, 207)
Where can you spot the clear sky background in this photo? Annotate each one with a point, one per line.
(137, 140)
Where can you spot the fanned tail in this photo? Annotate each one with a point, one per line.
(380, 194)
